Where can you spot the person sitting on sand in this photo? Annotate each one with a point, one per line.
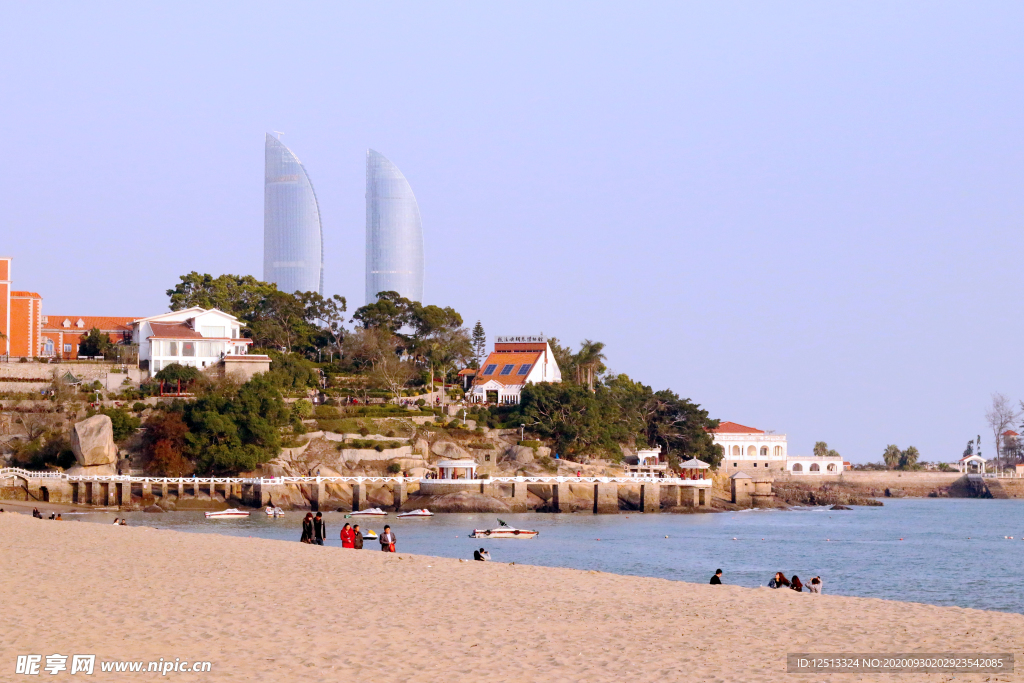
(815, 586)
(116, 521)
(357, 538)
(319, 529)
(124, 520)
(53, 515)
(795, 584)
(478, 555)
(348, 536)
(36, 513)
(778, 581)
(387, 539)
(307, 528)
(60, 519)
(716, 580)
(484, 555)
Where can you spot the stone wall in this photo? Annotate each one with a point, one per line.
(42, 373)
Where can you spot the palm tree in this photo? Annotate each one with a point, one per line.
(892, 456)
(589, 361)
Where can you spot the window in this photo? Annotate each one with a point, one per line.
(157, 366)
(188, 348)
(755, 464)
(172, 349)
(489, 370)
(205, 349)
(734, 464)
(524, 369)
(212, 331)
(48, 347)
(67, 348)
(507, 370)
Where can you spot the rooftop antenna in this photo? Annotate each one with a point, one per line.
(279, 134)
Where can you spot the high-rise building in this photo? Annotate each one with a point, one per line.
(293, 237)
(394, 233)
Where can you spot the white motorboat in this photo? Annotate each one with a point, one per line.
(274, 512)
(503, 531)
(422, 512)
(372, 512)
(223, 514)
(369, 535)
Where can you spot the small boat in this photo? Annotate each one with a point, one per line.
(369, 535)
(422, 512)
(372, 512)
(230, 512)
(274, 512)
(503, 531)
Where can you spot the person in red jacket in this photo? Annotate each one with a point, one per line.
(348, 537)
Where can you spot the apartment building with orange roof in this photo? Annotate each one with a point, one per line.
(61, 334)
(514, 363)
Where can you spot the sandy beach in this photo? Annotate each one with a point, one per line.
(263, 610)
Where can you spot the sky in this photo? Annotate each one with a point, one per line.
(803, 216)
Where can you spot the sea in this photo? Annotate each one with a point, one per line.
(963, 552)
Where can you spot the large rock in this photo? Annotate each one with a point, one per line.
(522, 455)
(450, 451)
(92, 440)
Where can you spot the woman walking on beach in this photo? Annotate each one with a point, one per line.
(307, 528)
(387, 540)
(796, 585)
(348, 537)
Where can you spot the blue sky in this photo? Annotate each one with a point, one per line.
(804, 216)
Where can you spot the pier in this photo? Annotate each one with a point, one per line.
(122, 490)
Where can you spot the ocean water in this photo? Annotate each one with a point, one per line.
(938, 551)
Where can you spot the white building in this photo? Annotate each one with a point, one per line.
(750, 449)
(196, 337)
(514, 363)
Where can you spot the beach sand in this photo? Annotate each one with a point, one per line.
(263, 610)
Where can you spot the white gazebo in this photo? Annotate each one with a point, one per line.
(456, 469)
(971, 464)
(693, 468)
(648, 464)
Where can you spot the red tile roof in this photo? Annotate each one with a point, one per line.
(55, 323)
(468, 371)
(734, 428)
(500, 360)
(173, 331)
(1010, 432)
(33, 295)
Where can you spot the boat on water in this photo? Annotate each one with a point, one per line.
(369, 535)
(274, 512)
(503, 531)
(372, 512)
(422, 512)
(223, 514)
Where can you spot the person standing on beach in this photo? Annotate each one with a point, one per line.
(716, 580)
(357, 538)
(348, 536)
(319, 529)
(387, 539)
(307, 528)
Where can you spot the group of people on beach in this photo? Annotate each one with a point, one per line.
(314, 531)
(39, 515)
(780, 581)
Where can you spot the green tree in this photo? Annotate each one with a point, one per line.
(908, 458)
(820, 449)
(123, 423)
(390, 311)
(479, 344)
(239, 295)
(590, 362)
(94, 343)
(891, 456)
(176, 371)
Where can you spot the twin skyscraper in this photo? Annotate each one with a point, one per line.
(293, 235)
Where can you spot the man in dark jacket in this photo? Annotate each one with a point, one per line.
(357, 542)
(716, 580)
(319, 529)
(387, 540)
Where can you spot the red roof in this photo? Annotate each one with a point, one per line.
(500, 360)
(173, 331)
(1010, 432)
(468, 371)
(55, 323)
(734, 428)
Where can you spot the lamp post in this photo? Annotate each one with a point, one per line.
(522, 432)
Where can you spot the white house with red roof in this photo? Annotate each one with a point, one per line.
(197, 337)
(755, 450)
(514, 363)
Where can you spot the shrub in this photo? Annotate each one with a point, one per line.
(420, 402)
(124, 424)
(394, 468)
(364, 431)
(325, 412)
(139, 406)
(531, 444)
(303, 409)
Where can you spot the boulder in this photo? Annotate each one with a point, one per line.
(450, 451)
(95, 471)
(92, 441)
(522, 455)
